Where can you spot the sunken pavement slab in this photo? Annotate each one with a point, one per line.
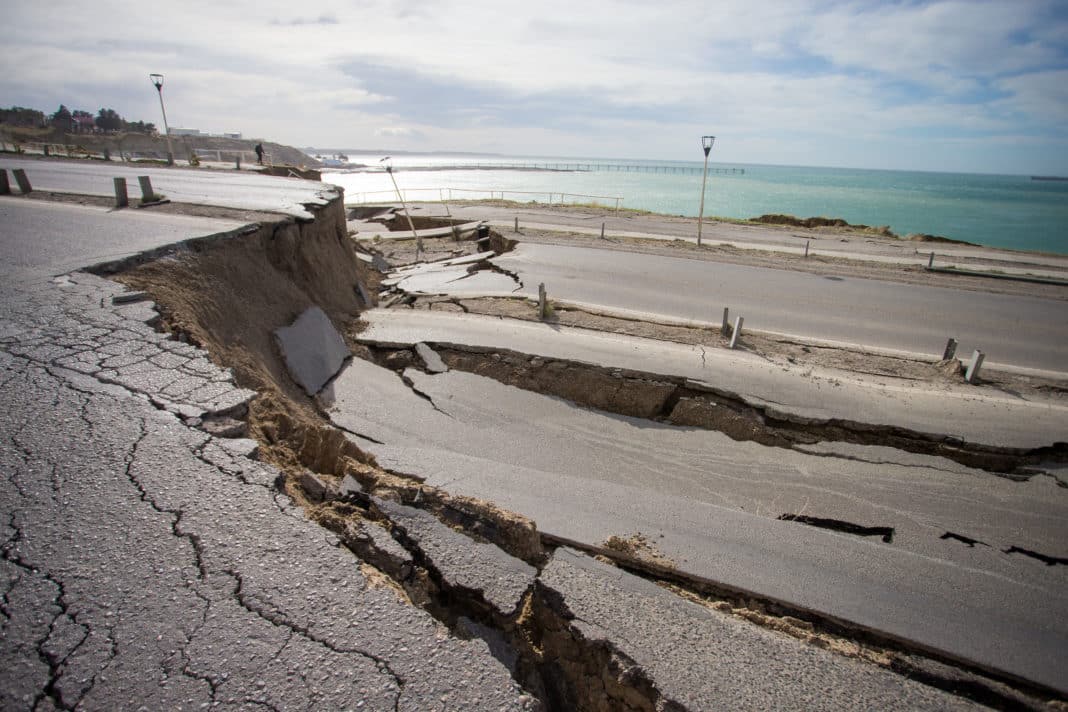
(697, 658)
(462, 562)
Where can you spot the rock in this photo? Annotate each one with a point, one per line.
(313, 349)
(430, 358)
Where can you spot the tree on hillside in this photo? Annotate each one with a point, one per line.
(62, 118)
(109, 120)
(21, 116)
(140, 127)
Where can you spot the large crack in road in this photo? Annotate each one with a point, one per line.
(555, 657)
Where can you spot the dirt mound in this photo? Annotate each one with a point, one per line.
(780, 219)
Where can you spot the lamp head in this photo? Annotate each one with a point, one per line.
(706, 143)
(157, 81)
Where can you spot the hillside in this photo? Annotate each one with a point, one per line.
(183, 146)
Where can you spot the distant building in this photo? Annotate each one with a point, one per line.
(185, 132)
(231, 134)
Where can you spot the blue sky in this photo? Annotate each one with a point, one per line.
(954, 86)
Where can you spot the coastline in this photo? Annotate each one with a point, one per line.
(1008, 212)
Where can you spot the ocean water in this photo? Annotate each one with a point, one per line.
(1012, 212)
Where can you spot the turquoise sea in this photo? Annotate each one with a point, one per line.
(1014, 212)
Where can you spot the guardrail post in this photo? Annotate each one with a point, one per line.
(122, 198)
(5, 187)
(22, 180)
(951, 349)
(973, 368)
(737, 331)
(147, 194)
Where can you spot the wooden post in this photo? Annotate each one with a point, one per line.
(930, 262)
(5, 187)
(516, 224)
(46, 151)
(147, 194)
(543, 302)
(602, 231)
(807, 243)
(22, 180)
(237, 162)
(737, 331)
(122, 198)
(726, 327)
(951, 349)
(107, 154)
(973, 368)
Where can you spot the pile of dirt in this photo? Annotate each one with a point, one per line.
(779, 219)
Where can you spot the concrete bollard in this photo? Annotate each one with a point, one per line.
(951, 349)
(930, 261)
(147, 194)
(737, 331)
(122, 197)
(22, 180)
(5, 187)
(726, 327)
(973, 368)
(543, 302)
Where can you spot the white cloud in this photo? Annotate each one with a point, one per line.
(809, 78)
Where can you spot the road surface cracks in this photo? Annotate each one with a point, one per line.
(144, 562)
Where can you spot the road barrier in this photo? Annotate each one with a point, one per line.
(122, 197)
(22, 180)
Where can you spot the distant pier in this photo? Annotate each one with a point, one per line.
(576, 167)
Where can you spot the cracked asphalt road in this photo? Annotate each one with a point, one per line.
(149, 565)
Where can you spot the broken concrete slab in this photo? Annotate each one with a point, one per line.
(430, 358)
(679, 647)
(461, 561)
(313, 349)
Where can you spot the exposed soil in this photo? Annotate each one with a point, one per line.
(776, 349)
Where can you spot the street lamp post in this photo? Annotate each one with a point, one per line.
(706, 144)
(418, 239)
(157, 81)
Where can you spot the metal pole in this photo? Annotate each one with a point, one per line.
(411, 225)
(157, 81)
(701, 213)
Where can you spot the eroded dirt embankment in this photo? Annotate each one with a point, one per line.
(229, 295)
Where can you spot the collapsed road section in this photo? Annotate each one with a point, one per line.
(396, 464)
